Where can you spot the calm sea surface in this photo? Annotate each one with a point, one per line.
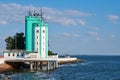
(96, 68)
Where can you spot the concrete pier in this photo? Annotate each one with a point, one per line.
(56, 65)
(38, 65)
(48, 66)
(31, 66)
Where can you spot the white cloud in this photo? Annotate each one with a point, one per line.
(65, 34)
(3, 22)
(92, 33)
(68, 21)
(113, 36)
(95, 28)
(99, 39)
(81, 22)
(76, 35)
(65, 17)
(13, 12)
(78, 13)
(61, 20)
(113, 18)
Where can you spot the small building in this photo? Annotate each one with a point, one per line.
(20, 54)
(14, 54)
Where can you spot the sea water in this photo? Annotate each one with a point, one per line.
(95, 68)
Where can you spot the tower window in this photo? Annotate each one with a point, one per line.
(37, 49)
(37, 43)
(43, 31)
(37, 31)
(43, 49)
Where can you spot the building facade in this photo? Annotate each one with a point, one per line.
(36, 32)
(36, 39)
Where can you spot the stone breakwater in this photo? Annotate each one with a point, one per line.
(68, 60)
(5, 67)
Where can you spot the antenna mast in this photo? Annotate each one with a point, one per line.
(29, 13)
(41, 13)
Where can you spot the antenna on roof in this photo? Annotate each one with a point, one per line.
(41, 13)
(34, 13)
(29, 13)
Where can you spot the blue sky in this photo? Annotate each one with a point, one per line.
(82, 27)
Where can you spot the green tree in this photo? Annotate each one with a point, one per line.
(9, 43)
(15, 42)
(51, 53)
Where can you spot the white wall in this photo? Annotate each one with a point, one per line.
(6, 55)
(40, 41)
(10, 55)
(32, 55)
(43, 43)
(37, 39)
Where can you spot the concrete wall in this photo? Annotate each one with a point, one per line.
(32, 55)
(67, 59)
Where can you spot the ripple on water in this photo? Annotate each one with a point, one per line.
(65, 65)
